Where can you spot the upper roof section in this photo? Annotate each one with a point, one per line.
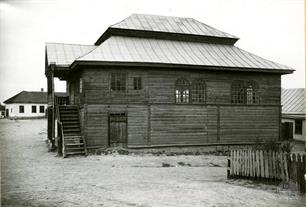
(166, 27)
(64, 54)
(159, 41)
(30, 97)
(293, 101)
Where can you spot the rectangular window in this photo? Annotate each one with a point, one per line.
(33, 109)
(41, 109)
(298, 127)
(21, 109)
(118, 81)
(137, 83)
(81, 85)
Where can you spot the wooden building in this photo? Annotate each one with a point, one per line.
(151, 81)
(293, 114)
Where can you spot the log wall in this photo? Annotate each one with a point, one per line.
(154, 119)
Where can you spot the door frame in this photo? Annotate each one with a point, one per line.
(109, 114)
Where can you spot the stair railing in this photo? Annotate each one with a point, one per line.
(60, 131)
(82, 135)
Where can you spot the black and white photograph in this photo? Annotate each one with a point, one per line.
(164, 103)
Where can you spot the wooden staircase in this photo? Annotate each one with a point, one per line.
(72, 140)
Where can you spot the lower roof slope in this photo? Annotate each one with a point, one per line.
(147, 50)
(64, 54)
(293, 101)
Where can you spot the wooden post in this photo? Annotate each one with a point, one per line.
(51, 108)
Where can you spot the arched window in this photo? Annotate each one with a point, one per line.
(182, 91)
(252, 92)
(237, 90)
(198, 91)
(244, 92)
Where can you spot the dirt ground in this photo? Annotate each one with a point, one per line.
(32, 176)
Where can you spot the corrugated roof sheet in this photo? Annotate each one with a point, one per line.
(65, 54)
(169, 24)
(31, 97)
(147, 50)
(293, 101)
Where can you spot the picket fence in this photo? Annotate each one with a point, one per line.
(260, 164)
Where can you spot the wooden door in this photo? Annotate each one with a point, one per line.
(117, 130)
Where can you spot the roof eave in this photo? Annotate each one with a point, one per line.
(167, 65)
(165, 35)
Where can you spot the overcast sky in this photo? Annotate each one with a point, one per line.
(273, 29)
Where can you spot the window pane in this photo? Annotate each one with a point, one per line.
(198, 91)
(118, 81)
(41, 109)
(298, 127)
(137, 83)
(21, 109)
(182, 90)
(33, 109)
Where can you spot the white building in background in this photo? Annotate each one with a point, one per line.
(293, 114)
(27, 104)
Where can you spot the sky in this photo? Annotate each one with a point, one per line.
(272, 29)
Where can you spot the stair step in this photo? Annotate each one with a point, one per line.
(76, 153)
(71, 126)
(74, 144)
(72, 130)
(70, 121)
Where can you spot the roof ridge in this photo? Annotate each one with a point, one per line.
(69, 44)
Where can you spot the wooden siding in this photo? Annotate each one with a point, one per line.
(158, 86)
(178, 124)
(249, 123)
(153, 117)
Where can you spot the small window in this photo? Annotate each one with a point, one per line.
(118, 81)
(298, 127)
(182, 91)
(21, 109)
(137, 83)
(244, 92)
(198, 91)
(33, 109)
(251, 92)
(81, 85)
(237, 90)
(41, 109)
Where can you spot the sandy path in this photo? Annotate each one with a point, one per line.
(31, 176)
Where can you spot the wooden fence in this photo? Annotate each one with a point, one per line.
(260, 164)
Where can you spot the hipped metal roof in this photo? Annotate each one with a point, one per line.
(293, 101)
(37, 97)
(140, 49)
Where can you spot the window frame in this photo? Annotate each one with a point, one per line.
(182, 91)
(81, 85)
(198, 91)
(244, 92)
(298, 128)
(114, 85)
(137, 83)
(42, 107)
(33, 109)
(21, 109)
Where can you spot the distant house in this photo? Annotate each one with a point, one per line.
(293, 114)
(156, 81)
(2, 111)
(27, 104)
